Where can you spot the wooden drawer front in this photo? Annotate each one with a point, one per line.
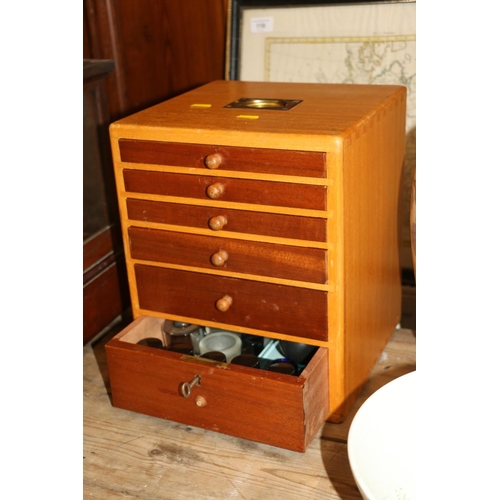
(235, 190)
(239, 221)
(261, 306)
(262, 259)
(299, 163)
(253, 404)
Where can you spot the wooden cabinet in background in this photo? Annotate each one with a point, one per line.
(105, 290)
(142, 53)
(161, 48)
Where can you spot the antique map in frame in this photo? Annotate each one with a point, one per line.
(371, 60)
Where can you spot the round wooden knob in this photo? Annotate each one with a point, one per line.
(219, 258)
(217, 223)
(224, 304)
(215, 191)
(213, 161)
(200, 401)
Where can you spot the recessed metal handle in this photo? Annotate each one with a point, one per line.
(264, 103)
(187, 386)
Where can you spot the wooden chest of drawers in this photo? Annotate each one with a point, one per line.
(261, 220)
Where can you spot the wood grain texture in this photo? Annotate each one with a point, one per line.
(160, 48)
(241, 401)
(170, 46)
(413, 222)
(285, 162)
(235, 190)
(105, 297)
(100, 245)
(264, 306)
(100, 32)
(361, 130)
(373, 159)
(105, 282)
(239, 221)
(254, 258)
(131, 455)
(327, 112)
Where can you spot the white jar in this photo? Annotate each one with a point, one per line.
(227, 342)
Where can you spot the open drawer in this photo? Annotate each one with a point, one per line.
(281, 410)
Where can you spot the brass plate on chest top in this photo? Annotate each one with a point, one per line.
(264, 103)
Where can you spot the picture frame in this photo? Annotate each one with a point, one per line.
(288, 21)
(325, 41)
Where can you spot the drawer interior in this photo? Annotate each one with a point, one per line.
(259, 405)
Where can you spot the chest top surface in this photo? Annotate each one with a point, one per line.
(324, 110)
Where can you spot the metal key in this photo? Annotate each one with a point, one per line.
(187, 386)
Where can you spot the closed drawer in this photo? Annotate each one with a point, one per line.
(280, 410)
(241, 256)
(257, 192)
(268, 161)
(239, 221)
(262, 306)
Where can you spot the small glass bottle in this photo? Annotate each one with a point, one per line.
(151, 342)
(177, 336)
(252, 344)
(250, 360)
(284, 366)
(214, 356)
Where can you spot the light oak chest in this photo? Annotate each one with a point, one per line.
(263, 220)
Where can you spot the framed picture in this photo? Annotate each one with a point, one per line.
(359, 42)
